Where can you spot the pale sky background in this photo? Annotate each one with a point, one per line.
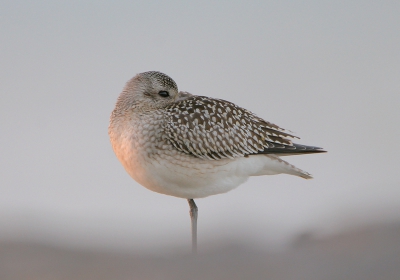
(327, 70)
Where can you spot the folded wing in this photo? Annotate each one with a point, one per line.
(215, 129)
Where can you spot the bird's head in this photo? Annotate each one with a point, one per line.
(148, 91)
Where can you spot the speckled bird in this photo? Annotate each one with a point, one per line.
(190, 146)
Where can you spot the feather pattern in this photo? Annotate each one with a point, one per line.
(214, 129)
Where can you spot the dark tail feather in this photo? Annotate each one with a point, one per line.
(295, 149)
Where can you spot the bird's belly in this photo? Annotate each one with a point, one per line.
(183, 175)
(172, 172)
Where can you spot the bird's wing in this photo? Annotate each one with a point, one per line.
(215, 129)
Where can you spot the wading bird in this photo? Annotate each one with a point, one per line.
(190, 146)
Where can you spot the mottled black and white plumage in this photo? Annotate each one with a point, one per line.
(161, 78)
(214, 129)
(193, 146)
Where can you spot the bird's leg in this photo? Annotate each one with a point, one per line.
(193, 218)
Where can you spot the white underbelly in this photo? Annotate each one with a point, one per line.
(196, 179)
(181, 175)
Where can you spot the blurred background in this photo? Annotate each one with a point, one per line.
(326, 70)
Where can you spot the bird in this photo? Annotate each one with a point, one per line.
(189, 146)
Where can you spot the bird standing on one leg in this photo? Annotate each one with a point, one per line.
(190, 146)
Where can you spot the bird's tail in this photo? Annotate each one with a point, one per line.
(283, 166)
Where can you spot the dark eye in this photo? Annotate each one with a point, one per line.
(163, 93)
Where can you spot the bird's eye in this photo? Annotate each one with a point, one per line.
(163, 93)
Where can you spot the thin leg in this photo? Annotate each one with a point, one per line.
(193, 217)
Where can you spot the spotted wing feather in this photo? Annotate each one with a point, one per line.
(215, 129)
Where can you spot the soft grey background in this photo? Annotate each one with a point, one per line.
(327, 70)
